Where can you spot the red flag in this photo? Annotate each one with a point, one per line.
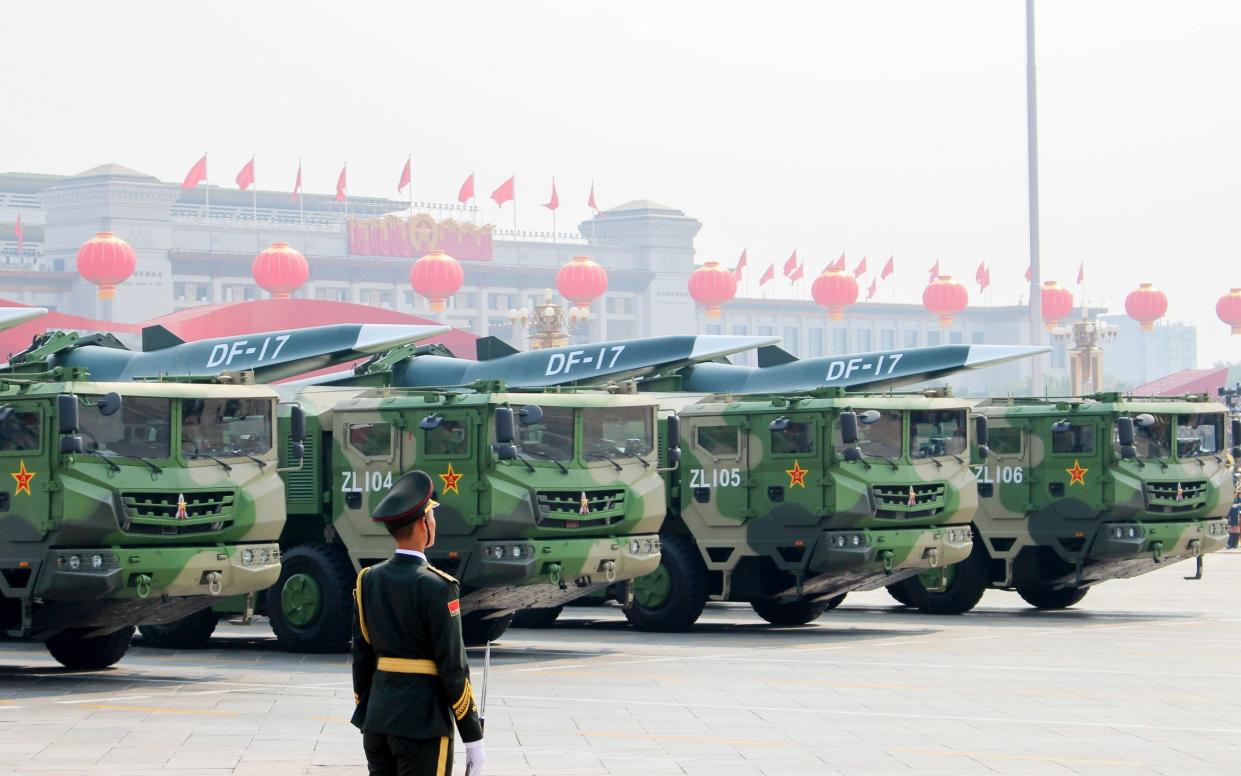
(590, 203)
(1029, 273)
(740, 265)
(934, 271)
(467, 190)
(18, 231)
(196, 175)
(874, 285)
(554, 202)
(790, 264)
(769, 275)
(505, 192)
(1081, 273)
(798, 273)
(888, 269)
(404, 176)
(245, 178)
(982, 276)
(340, 184)
(297, 184)
(860, 269)
(839, 264)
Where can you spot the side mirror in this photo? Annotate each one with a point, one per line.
(430, 422)
(505, 432)
(848, 428)
(674, 441)
(1124, 434)
(1236, 439)
(853, 454)
(109, 404)
(982, 434)
(779, 424)
(506, 452)
(67, 421)
(869, 416)
(1145, 420)
(1128, 452)
(71, 443)
(297, 423)
(299, 450)
(530, 415)
(1060, 426)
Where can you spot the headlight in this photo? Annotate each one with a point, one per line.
(96, 561)
(839, 541)
(497, 552)
(516, 552)
(650, 547)
(75, 562)
(1133, 532)
(247, 557)
(635, 546)
(855, 540)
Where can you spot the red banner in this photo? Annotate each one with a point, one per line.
(417, 236)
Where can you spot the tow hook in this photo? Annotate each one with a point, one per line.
(609, 571)
(553, 576)
(1195, 547)
(142, 584)
(214, 582)
(885, 556)
(932, 556)
(1157, 552)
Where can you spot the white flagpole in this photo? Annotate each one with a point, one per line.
(301, 210)
(410, 162)
(207, 199)
(254, 210)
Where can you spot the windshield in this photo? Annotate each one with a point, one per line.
(880, 438)
(551, 437)
(1152, 435)
(226, 427)
(1199, 434)
(936, 432)
(142, 427)
(617, 431)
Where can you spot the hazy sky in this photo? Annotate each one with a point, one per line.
(873, 128)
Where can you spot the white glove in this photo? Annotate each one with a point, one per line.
(475, 756)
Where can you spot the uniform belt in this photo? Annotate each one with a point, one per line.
(407, 665)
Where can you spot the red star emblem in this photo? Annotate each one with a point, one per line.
(23, 478)
(451, 478)
(181, 513)
(1180, 492)
(797, 475)
(913, 497)
(1077, 475)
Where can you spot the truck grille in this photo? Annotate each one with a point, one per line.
(156, 512)
(563, 508)
(1172, 497)
(906, 502)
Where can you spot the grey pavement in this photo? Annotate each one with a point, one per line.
(1140, 678)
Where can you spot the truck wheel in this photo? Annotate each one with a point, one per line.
(967, 581)
(670, 599)
(789, 613)
(897, 591)
(537, 618)
(835, 601)
(476, 631)
(189, 632)
(311, 604)
(71, 650)
(1048, 598)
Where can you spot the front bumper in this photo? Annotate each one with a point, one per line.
(1158, 540)
(890, 550)
(146, 572)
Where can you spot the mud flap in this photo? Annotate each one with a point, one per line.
(1195, 546)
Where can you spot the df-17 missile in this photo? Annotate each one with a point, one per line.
(688, 363)
(270, 355)
(16, 316)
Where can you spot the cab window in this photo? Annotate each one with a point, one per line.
(1071, 438)
(1200, 434)
(20, 432)
(793, 438)
(373, 440)
(1004, 441)
(719, 441)
(449, 438)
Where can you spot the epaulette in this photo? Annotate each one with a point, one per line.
(443, 574)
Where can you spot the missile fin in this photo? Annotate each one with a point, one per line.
(774, 355)
(488, 348)
(157, 338)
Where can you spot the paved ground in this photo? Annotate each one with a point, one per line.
(1142, 677)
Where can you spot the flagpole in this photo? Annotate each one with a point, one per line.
(207, 198)
(474, 197)
(301, 210)
(254, 186)
(410, 161)
(1036, 312)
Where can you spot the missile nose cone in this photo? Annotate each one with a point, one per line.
(709, 346)
(378, 337)
(15, 316)
(989, 355)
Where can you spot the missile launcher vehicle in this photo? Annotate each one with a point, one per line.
(1079, 491)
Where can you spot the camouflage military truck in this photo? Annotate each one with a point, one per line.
(790, 502)
(1079, 491)
(130, 503)
(544, 497)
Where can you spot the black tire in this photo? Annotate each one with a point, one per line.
(328, 627)
(537, 618)
(789, 613)
(71, 650)
(965, 588)
(476, 631)
(1049, 598)
(189, 632)
(686, 577)
(897, 592)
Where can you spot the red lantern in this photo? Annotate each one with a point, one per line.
(712, 286)
(436, 276)
(945, 298)
(1057, 302)
(107, 261)
(1146, 305)
(834, 289)
(582, 281)
(280, 270)
(1228, 308)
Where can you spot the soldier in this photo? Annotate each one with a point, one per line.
(411, 681)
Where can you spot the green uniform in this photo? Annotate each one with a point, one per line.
(411, 681)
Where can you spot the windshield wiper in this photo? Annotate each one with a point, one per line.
(106, 459)
(150, 464)
(550, 457)
(883, 458)
(643, 461)
(262, 464)
(525, 460)
(224, 464)
(601, 454)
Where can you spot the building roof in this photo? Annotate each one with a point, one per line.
(642, 204)
(1207, 381)
(112, 171)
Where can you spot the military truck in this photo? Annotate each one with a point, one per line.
(790, 502)
(130, 503)
(1082, 490)
(544, 497)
